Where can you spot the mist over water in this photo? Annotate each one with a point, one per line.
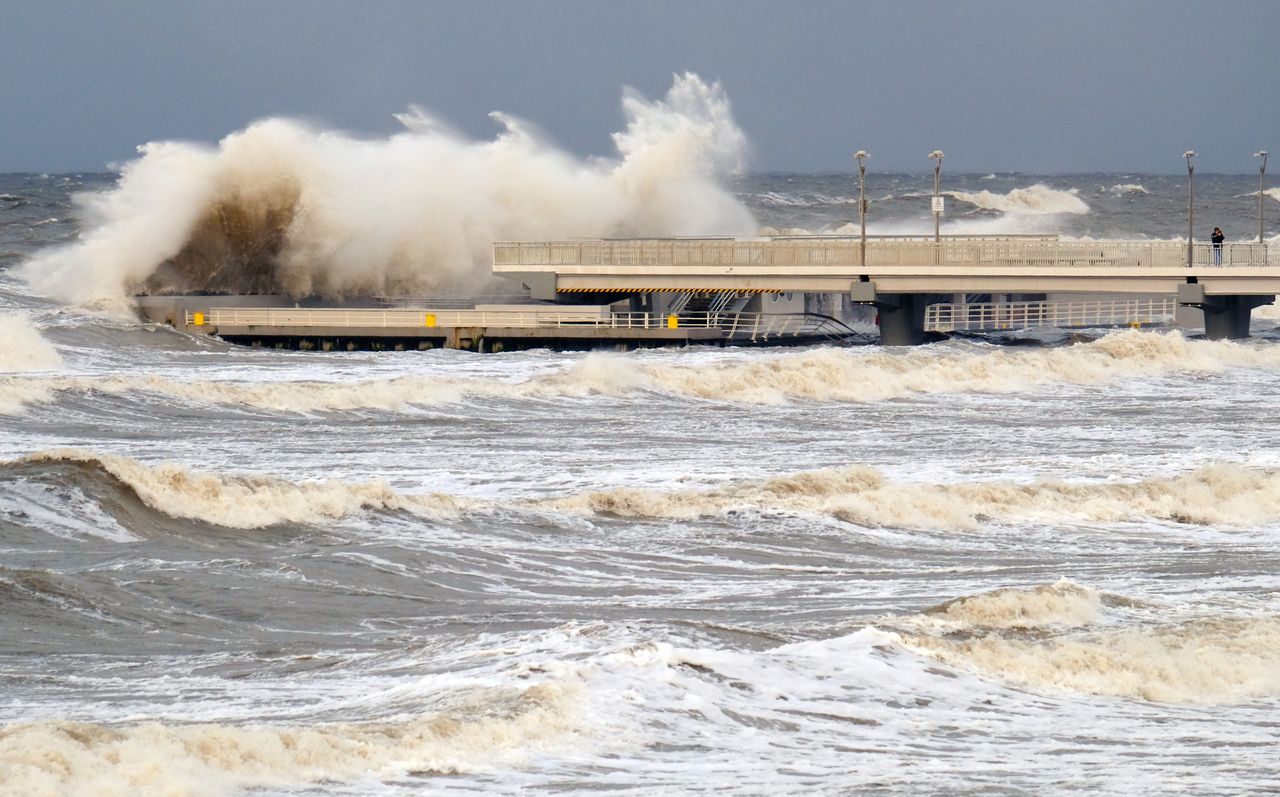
(967, 567)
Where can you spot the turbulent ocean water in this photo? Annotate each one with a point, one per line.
(971, 567)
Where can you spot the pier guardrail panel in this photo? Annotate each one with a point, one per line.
(789, 253)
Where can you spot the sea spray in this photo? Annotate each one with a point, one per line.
(284, 207)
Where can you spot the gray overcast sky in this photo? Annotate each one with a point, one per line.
(1037, 86)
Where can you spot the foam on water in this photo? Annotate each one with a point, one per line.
(826, 374)
(1222, 494)
(154, 759)
(1050, 637)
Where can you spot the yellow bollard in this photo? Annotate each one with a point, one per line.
(197, 319)
(673, 322)
(430, 320)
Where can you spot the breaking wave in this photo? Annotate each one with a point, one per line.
(283, 207)
(826, 374)
(240, 501)
(1214, 495)
(23, 349)
(154, 759)
(1122, 189)
(1062, 604)
(1035, 200)
(1050, 636)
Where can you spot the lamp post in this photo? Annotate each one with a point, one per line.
(861, 156)
(1262, 170)
(937, 156)
(1191, 199)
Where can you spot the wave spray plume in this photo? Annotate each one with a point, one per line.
(284, 207)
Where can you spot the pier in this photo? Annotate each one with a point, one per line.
(625, 294)
(902, 277)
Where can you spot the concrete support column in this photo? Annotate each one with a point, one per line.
(1228, 317)
(902, 318)
(1225, 317)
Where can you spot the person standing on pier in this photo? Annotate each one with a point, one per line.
(1217, 239)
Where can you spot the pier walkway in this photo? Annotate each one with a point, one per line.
(903, 276)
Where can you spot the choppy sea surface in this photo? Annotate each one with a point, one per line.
(971, 567)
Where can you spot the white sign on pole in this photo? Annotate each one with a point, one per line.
(937, 204)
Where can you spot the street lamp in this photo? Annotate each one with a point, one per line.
(1191, 198)
(861, 156)
(1262, 170)
(937, 200)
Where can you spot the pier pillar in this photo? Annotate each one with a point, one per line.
(1225, 317)
(899, 315)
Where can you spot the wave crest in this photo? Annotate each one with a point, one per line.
(1034, 200)
(22, 348)
(816, 375)
(1220, 660)
(203, 760)
(243, 502)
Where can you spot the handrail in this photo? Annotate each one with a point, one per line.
(944, 317)
(734, 324)
(846, 252)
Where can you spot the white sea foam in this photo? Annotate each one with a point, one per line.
(1219, 660)
(1034, 200)
(1213, 495)
(1063, 604)
(283, 206)
(156, 759)
(1128, 188)
(827, 374)
(23, 349)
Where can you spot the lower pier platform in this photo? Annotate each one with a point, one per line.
(481, 329)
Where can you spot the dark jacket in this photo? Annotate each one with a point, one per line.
(1218, 238)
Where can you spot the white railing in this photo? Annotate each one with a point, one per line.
(734, 325)
(1062, 314)
(399, 317)
(799, 252)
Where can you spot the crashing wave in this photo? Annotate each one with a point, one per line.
(828, 374)
(22, 348)
(1051, 636)
(284, 207)
(161, 759)
(1213, 495)
(1035, 200)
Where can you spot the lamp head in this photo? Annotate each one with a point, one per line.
(1189, 154)
(937, 154)
(1261, 154)
(861, 154)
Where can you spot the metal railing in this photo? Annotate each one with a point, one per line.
(799, 252)
(399, 317)
(1063, 314)
(753, 326)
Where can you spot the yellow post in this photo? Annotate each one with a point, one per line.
(673, 322)
(430, 320)
(197, 319)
